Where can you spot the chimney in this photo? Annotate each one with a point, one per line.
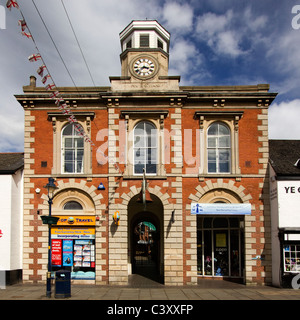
(32, 81)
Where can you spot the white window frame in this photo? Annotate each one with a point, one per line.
(146, 148)
(74, 136)
(218, 148)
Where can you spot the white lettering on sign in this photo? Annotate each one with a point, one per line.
(292, 189)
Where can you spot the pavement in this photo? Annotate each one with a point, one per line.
(141, 289)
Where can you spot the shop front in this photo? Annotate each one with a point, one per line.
(73, 246)
(220, 239)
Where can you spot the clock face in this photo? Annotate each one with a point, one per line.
(144, 67)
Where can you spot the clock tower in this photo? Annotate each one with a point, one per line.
(144, 58)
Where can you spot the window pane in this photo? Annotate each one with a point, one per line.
(68, 142)
(138, 168)
(223, 130)
(152, 139)
(138, 141)
(224, 167)
(69, 155)
(144, 40)
(79, 155)
(69, 167)
(224, 155)
(224, 141)
(151, 156)
(79, 166)
(212, 167)
(67, 131)
(151, 168)
(212, 142)
(79, 142)
(73, 205)
(139, 155)
(212, 155)
(213, 130)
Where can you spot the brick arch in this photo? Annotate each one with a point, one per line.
(236, 192)
(156, 191)
(72, 185)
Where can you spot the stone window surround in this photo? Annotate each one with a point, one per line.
(132, 118)
(229, 118)
(58, 123)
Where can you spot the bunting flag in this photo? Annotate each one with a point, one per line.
(34, 57)
(40, 70)
(50, 86)
(44, 80)
(23, 24)
(55, 95)
(12, 4)
(26, 34)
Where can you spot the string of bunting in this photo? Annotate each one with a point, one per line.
(50, 86)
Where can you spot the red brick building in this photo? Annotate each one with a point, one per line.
(204, 211)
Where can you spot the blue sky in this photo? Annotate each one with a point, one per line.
(213, 42)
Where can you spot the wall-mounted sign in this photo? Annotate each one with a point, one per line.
(76, 221)
(221, 208)
(72, 233)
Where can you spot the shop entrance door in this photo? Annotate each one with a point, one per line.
(146, 249)
(220, 247)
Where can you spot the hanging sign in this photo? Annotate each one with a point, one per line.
(221, 208)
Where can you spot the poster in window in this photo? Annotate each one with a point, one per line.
(221, 240)
(56, 253)
(67, 253)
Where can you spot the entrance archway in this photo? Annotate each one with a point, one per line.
(146, 238)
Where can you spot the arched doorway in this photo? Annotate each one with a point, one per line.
(146, 238)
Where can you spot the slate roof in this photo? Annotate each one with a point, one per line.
(11, 162)
(283, 156)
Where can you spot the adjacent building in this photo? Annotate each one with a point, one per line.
(171, 183)
(285, 204)
(11, 217)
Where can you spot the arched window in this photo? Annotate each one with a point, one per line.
(218, 148)
(73, 205)
(72, 150)
(145, 148)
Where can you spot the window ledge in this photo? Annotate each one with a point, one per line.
(219, 175)
(140, 177)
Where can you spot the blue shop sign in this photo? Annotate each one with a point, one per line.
(221, 208)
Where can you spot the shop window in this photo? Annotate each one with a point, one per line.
(145, 148)
(77, 256)
(291, 260)
(219, 247)
(72, 150)
(218, 148)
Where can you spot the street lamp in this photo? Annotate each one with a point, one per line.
(51, 187)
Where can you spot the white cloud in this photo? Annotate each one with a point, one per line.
(225, 33)
(178, 17)
(284, 120)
